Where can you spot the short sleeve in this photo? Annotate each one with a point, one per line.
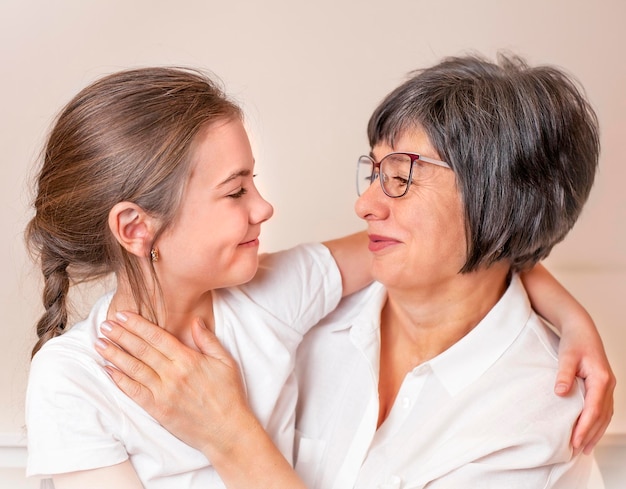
(71, 423)
(300, 285)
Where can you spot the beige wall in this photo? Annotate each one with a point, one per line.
(308, 75)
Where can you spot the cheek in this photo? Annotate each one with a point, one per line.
(232, 226)
(455, 231)
(444, 230)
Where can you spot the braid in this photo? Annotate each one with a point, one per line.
(55, 293)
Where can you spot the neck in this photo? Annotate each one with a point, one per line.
(175, 312)
(419, 324)
(426, 321)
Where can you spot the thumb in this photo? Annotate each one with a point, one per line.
(566, 375)
(206, 341)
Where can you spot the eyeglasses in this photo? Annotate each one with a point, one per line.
(396, 171)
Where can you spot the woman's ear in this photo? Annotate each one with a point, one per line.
(132, 227)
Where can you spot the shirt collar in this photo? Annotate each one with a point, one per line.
(472, 355)
(467, 359)
(361, 310)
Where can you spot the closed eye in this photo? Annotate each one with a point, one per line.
(402, 181)
(398, 180)
(240, 193)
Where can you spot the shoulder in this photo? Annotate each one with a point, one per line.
(64, 375)
(294, 278)
(70, 361)
(66, 356)
(299, 258)
(76, 344)
(546, 338)
(363, 303)
(521, 385)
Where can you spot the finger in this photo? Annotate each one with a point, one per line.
(587, 442)
(127, 364)
(566, 375)
(135, 390)
(590, 442)
(589, 445)
(134, 345)
(154, 335)
(584, 430)
(207, 342)
(596, 413)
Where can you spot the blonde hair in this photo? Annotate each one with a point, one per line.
(126, 137)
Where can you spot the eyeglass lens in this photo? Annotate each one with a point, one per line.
(395, 170)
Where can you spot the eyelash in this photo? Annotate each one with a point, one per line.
(240, 193)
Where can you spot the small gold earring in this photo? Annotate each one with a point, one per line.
(154, 255)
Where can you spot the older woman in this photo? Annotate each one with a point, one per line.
(439, 374)
(477, 170)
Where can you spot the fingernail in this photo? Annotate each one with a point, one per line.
(106, 327)
(101, 344)
(121, 317)
(560, 388)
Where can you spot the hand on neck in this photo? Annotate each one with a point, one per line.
(173, 312)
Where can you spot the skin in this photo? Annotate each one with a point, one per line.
(404, 233)
(220, 195)
(425, 231)
(429, 311)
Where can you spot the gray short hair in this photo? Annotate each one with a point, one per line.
(522, 141)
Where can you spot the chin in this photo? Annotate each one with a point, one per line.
(245, 274)
(381, 273)
(393, 277)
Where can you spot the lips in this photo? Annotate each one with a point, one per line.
(379, 243)
(252, 242)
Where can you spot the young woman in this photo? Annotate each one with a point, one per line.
(148, 174)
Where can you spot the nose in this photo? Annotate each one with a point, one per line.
(261, 210)
(371, 204)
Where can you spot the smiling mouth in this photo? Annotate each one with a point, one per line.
(252, 242)
(378, 243)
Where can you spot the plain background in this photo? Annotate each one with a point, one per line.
(308, 75)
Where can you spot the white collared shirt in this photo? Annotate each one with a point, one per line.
(480, 414)
(78, 419)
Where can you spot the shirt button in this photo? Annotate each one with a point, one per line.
(405, 402)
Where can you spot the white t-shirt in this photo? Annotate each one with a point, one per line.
(482, 414)
(77, 419)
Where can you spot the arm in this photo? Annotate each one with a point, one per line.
(252, 459)
(353, 260)
(120, 476)
(581, 353)
(177, 386)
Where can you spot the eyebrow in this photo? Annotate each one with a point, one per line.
(241, 173)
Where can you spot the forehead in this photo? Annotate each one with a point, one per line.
(414, 140)
(220, 150)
